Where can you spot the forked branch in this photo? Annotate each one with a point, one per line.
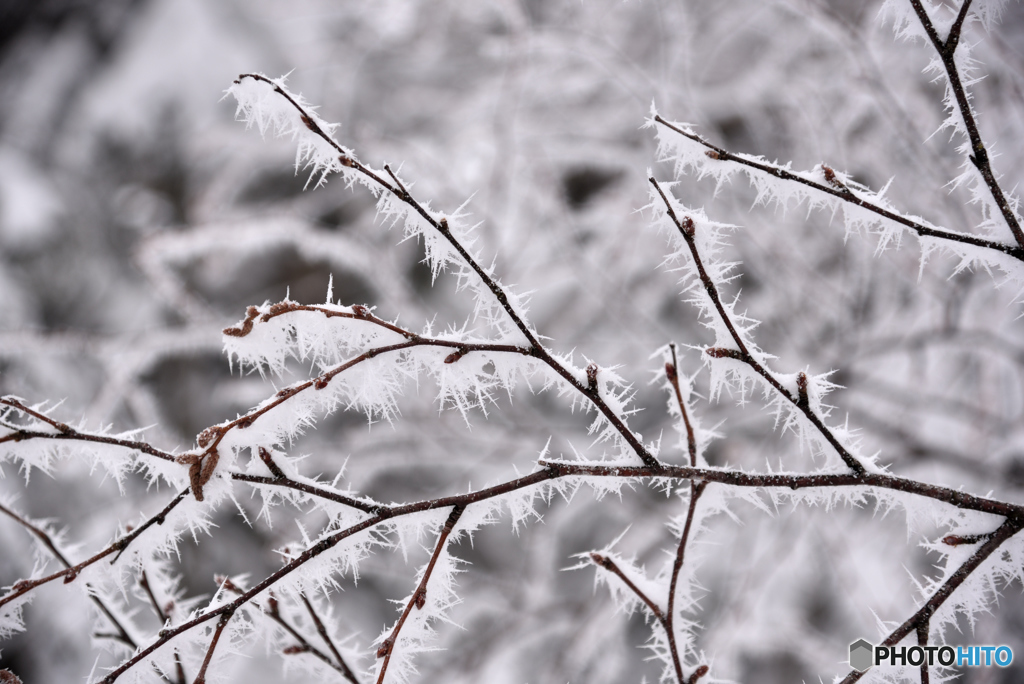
(979, 154)
(687, 229)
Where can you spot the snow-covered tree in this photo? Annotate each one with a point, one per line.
(512, 375)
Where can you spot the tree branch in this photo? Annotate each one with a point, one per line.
(69, 575)
(419, 596)
(536, 350)
(979, 157)
(70, 572)
(1010, 527)
(845, 194)
(686, 228)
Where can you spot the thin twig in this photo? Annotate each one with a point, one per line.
(696, 489)
(979, 156)
(160, 613)
(69, 575)
(845, 194)
(322, 631)
(419, 596)
(224, 619)
(922, 640)
(536, 349)
(686, 228)
(272, 611)
(24, 586)
(923, 615)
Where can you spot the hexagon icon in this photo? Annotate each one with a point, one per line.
(861, 652)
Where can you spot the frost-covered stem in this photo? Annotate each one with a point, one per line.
(609, 565)
(18, 589)
(272, 612)
(71, 571)
(844, 193)
(549, 473)
(65, 431)
(696, 489)
(420, 595)
(672, 373)
(663, 619)
(536, 349)
(1010, 527)
(555, 470)
(178, 667)
(922, 640)
(979, 158)
(737, 478)
(224, 619)
(686, 229)
(282, 480)
(322, 631)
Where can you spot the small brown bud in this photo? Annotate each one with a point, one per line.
(670, 373)
(346, 161)
(320, 383)
(592, 376)
(697, 674)
(420, 599)
(360, 310)
(207, 436)
(723, 353)
(958, 540)
(688, 228)
(296, 649)
(194, 477)
(454, 356)
(385, 648)
(250, 314)
(801, 386)
(713, 154)
(71, 576)
(8, 677)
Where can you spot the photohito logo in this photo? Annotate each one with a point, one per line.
(864, 655)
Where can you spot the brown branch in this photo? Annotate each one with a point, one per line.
(979, 156)
(610, 565)
(1010, 527)
(273, 612)
(322, 631)
(224, 619)
(672, 373)
(686, 229)
(842, 192)
(696, 489)
(328, 543)
(160, 613)
(922, 640)
(65, 431)
(71, 571)
(555, 470)
(69, 575)
(535, 348)
(419, 596)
